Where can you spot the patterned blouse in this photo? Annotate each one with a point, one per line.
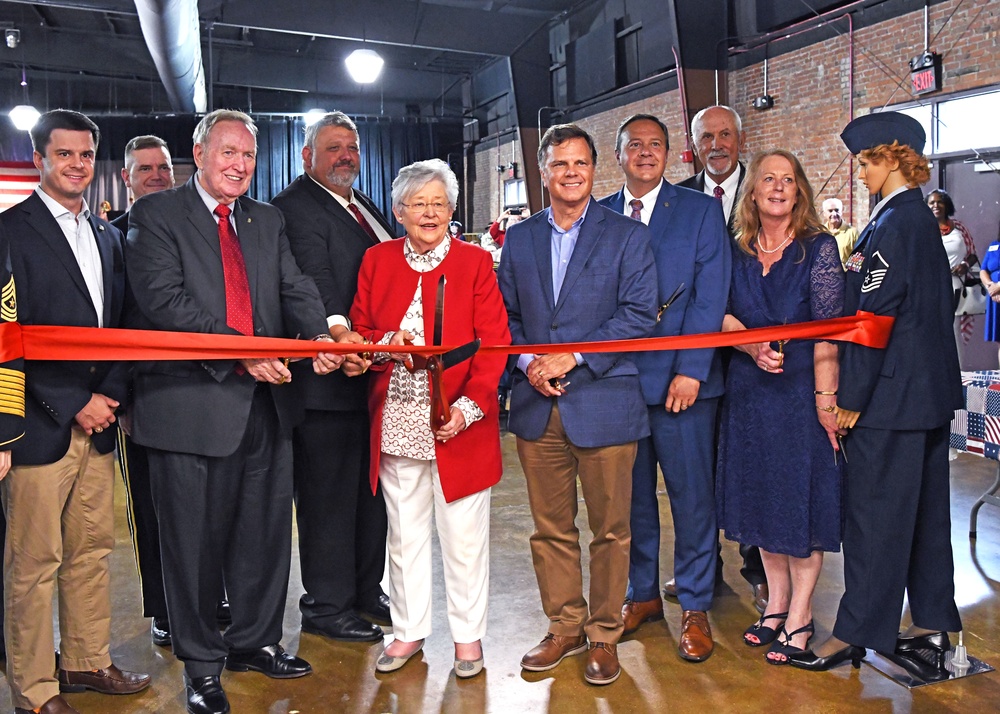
(406, 417)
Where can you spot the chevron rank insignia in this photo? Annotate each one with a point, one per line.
(877, 268)
(8, 302)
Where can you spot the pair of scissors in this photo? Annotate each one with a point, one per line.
(437, 364)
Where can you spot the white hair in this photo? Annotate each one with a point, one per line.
(840, 204)
(700, 115)
(414, 177)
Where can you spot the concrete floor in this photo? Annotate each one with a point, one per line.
(654, 679)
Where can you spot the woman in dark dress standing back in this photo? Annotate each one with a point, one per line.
(779, 478)
(897, 403)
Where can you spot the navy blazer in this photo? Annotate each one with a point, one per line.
(899, 267)
(690, 246)
(697, 183)
(328, 245)
(176, 277)
(609, 293)
(51, 291)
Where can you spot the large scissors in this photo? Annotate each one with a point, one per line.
(437, 364)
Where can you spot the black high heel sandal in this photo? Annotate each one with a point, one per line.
(765, 635)
(808, 660)
(786, 649)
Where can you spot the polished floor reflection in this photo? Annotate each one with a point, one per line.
(654, 679)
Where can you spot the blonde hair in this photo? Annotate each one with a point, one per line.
(914, 167)
(805, 220)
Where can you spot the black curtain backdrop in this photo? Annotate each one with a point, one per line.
(387, 145)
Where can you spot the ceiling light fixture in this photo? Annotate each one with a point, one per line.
(24, 116)
(312, 116)
(364, 66)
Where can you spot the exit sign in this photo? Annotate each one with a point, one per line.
(925, 73)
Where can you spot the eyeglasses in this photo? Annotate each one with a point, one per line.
(421, 207)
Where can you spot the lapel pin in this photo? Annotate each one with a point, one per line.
(100, 228)
(249, 219)
(666, 204)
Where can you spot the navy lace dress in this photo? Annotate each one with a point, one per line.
(777, 485)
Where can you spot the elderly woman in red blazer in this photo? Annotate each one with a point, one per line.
(446, 473)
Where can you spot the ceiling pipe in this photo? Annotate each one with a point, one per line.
(173, 36)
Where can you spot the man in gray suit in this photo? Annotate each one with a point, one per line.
(204, 258)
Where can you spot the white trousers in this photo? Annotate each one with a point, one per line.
(413, 496)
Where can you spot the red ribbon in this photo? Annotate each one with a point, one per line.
(53, 342)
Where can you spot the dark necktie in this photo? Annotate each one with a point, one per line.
(636, 205)
(718, 192)
(365, 225)
(239, 311)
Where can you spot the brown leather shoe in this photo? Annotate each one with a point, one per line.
(635, 613)
(551, 651)
(696, 643)
(760, 595)
(602, 664)
(56, 705)
(670, 589)
(110, 680)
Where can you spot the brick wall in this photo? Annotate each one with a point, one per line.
(810, 88)
(485, 183)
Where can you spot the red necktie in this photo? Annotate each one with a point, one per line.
(718, 192)
(365, 225)
(636, 205)
(239, 311)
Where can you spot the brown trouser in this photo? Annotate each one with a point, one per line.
(551, 465)
(60, 529)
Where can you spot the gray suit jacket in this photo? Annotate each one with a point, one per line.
(175, 274)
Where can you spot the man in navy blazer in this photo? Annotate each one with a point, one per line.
(681, 388)
(577, 272)
(58, 495)
(718, 136)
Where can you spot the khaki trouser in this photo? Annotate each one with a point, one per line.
(60, 529)
(551, 465)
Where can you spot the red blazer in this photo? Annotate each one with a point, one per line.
(470, 462)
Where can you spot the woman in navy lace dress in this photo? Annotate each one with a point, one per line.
(779, 471)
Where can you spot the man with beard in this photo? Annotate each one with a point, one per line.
(844, 232)
(719, 138)
(342, 526)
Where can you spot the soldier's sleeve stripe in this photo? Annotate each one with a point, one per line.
(11, 441)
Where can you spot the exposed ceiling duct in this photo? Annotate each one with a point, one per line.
(173, 34)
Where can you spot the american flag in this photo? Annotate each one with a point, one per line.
(967, 326)
(17, 180)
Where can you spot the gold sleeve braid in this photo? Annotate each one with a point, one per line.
(11, 392)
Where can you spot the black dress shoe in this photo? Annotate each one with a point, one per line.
(346, 627)
(160, 631)
(936, 641)
(271, 660)
(222, 613)
(376, 610)
(205, 695)
(808, 660)
(932, 670)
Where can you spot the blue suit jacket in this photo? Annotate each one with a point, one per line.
(609, 293)
(899, 268)
(690, 246)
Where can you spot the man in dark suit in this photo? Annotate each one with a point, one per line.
(342, 526)
(219, 433)
(719, 139)
(58, 495)
(718, 136)
(577, 272)
(681, 388)
(147, 169)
